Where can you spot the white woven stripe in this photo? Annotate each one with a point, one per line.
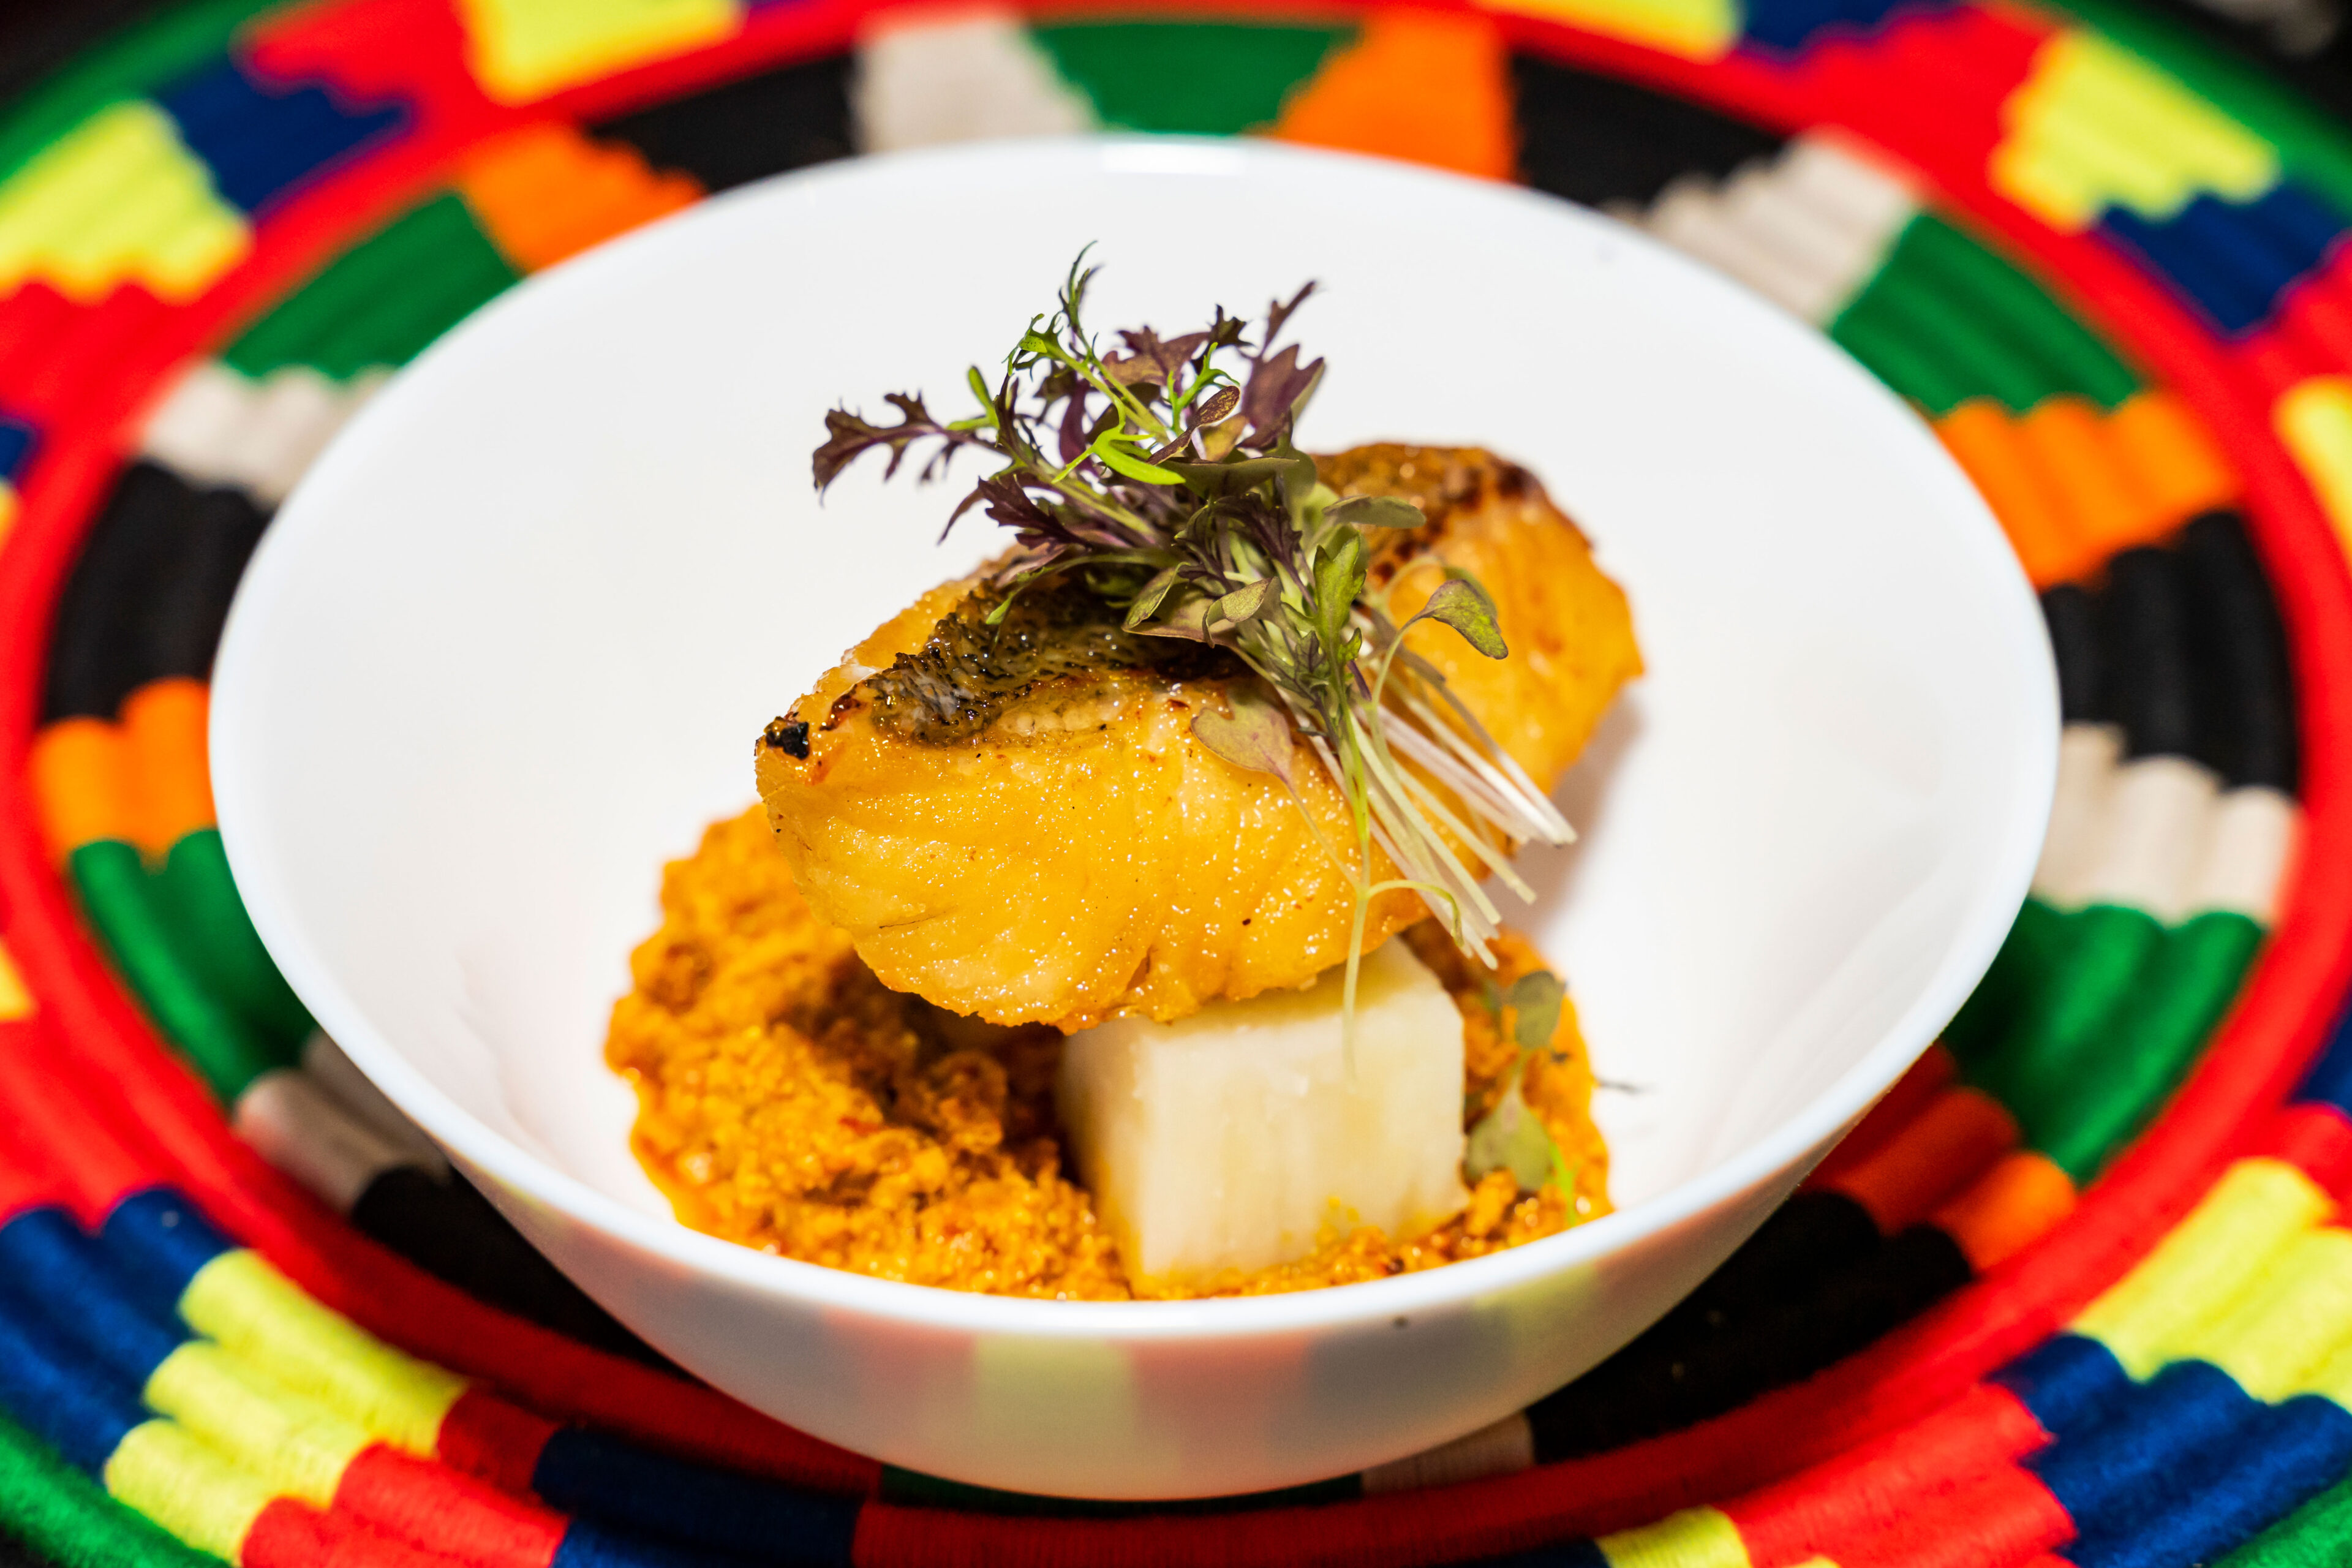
(967, 77)
(289, 1121)
(1508, 1445)
(217, 426)
(2250, 842)
(2088, 755)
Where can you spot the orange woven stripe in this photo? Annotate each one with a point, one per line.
(2017, 1203)
(81, 784)
(1959, 1134)
(1417, 85)
(163, 728)
(1981, 436)
(2172, 455)
(547, 192)
(2105, 506)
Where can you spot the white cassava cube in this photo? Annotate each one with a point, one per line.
(1232, 1138)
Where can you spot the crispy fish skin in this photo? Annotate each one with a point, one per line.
(1028, 832)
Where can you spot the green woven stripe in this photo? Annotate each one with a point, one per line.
(2001, 301)
(62, 1514)
(1206, 78)
(1910, 369)
(2150, 1044)
(183, 38)
(2059, 1024)
(382, 300)
(197, 897)
(227, 1050)
(2316, 1535)
(2310, 143)
(1903, 305)
(2034, 950)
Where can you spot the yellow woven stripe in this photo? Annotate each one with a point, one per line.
(297, 1445)
(2094, 125)
(172, 1479)
(15, 1001)
(1694, 30)
(118, 199)
(2257, 1210)
(1694, 1538)
(2288, 1323)
(525, 49)
(267, 1321)
(2314, 419)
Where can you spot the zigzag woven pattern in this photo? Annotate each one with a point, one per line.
(2076, 1292)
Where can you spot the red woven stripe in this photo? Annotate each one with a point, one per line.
(1875, 1486)
(484, 1437)
(418, 1501)
(1896, 1110)
(26, 1180)
(2317, 1138)
(77, 1156)
(1949, 1143)
(117, 1062)
(288, 1534)
(2004, 1520)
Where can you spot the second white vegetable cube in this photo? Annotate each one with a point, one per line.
(1235, 1138)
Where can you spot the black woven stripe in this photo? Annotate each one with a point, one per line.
(151, 590)
(2073, 616)
(38, 37)
(759, 125)
(15, 1554)
(1719, 1360)
(96, 652)
(449, 1231)
(2245, 684)
(1594, 139)
(2150, 679)
(181, 629)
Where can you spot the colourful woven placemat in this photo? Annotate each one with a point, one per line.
(2075, 1291)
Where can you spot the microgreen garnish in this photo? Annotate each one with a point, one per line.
(1172, 485)
(1511, 1136)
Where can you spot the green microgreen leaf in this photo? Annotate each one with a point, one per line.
(1463, 604)
(1148, 598)
(1254, 736)
(1535, 999)
(1377, 511)
(1513, 1138)
(1177, 484)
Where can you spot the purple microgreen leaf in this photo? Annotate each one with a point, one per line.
(1254, 736)
(849, 437)
(1377, 511)
(1220, 405)
(1276, 387)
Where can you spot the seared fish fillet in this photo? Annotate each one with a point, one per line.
(1016, 823)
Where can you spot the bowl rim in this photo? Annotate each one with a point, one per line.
(474, 1144)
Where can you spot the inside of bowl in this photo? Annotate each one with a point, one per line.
(509, 649)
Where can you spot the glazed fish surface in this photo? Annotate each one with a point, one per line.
(1016, 821)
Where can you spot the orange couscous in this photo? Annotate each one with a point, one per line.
(789, 1101)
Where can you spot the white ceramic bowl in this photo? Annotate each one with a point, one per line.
(507, 649)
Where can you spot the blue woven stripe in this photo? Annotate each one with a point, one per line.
(2124, 1465)
(62, 1275)
(2068, 1382)
(260, 143)
(2289, 1453)
(157, 1240)
(2329, 1081)
(2232, 259)
(587, 1546)
(77, 1408)
(601, 1477)
(16, 439)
